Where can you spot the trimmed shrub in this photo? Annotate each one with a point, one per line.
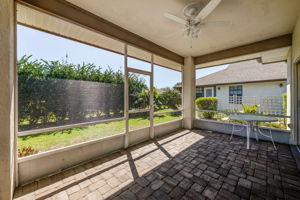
(207, 103)
(170, 98)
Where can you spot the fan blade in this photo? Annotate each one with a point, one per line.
(216, 23)
(175, 18)
(175, 33)
(207, 9)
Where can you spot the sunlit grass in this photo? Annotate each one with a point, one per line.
(57, 139)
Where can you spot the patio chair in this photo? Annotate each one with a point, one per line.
(268, 136)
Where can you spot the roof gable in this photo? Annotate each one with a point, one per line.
(245, 72)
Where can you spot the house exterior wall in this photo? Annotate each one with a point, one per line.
(251, 89)
(255, 89)
(267, 94)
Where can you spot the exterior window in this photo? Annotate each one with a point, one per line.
(209, 92)
(236, 94)
(199, 92)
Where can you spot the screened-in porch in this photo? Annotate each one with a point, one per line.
(149, 100)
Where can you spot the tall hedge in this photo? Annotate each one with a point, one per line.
(58, 92)
(207, 103)
(55, 93)
(48, 102)
(42, 69)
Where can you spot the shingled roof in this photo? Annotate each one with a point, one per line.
(245, 72)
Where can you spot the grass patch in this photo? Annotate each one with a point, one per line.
(57, 139)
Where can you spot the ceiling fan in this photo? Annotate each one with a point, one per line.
(194, 14)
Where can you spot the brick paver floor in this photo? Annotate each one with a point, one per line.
(187, 164)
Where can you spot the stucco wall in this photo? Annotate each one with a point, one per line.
(267, 95)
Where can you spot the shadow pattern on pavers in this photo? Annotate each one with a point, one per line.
(193, 164)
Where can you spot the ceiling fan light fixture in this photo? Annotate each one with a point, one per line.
(194, 36)
(196, 31)
(195, 13)
(187, 33)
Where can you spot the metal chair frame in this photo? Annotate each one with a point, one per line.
(256, 130)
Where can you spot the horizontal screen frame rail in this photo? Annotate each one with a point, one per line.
(58, 128)
(139, 71)
(238, 113)
(166, 112)
(139, 111)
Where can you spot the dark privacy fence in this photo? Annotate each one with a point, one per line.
(44, 103)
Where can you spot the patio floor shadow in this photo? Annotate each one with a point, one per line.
(187, 164)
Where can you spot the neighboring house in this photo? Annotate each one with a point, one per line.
(248, 82)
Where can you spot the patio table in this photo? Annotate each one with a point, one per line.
(251, 120)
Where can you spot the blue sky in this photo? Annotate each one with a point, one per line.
(206, 71)
(50, 47)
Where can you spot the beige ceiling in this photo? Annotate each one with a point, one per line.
(251, 20)
(269, 56)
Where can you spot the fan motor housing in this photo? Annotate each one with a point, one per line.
(191, 10)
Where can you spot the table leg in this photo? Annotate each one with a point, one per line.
(248, 134)
(255, 130)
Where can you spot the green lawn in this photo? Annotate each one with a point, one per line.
(56, 139)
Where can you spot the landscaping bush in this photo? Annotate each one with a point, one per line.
(138, 92)
(284, 103)
(169, 98)
(26, 151)
(250, 109)
(207, 103)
